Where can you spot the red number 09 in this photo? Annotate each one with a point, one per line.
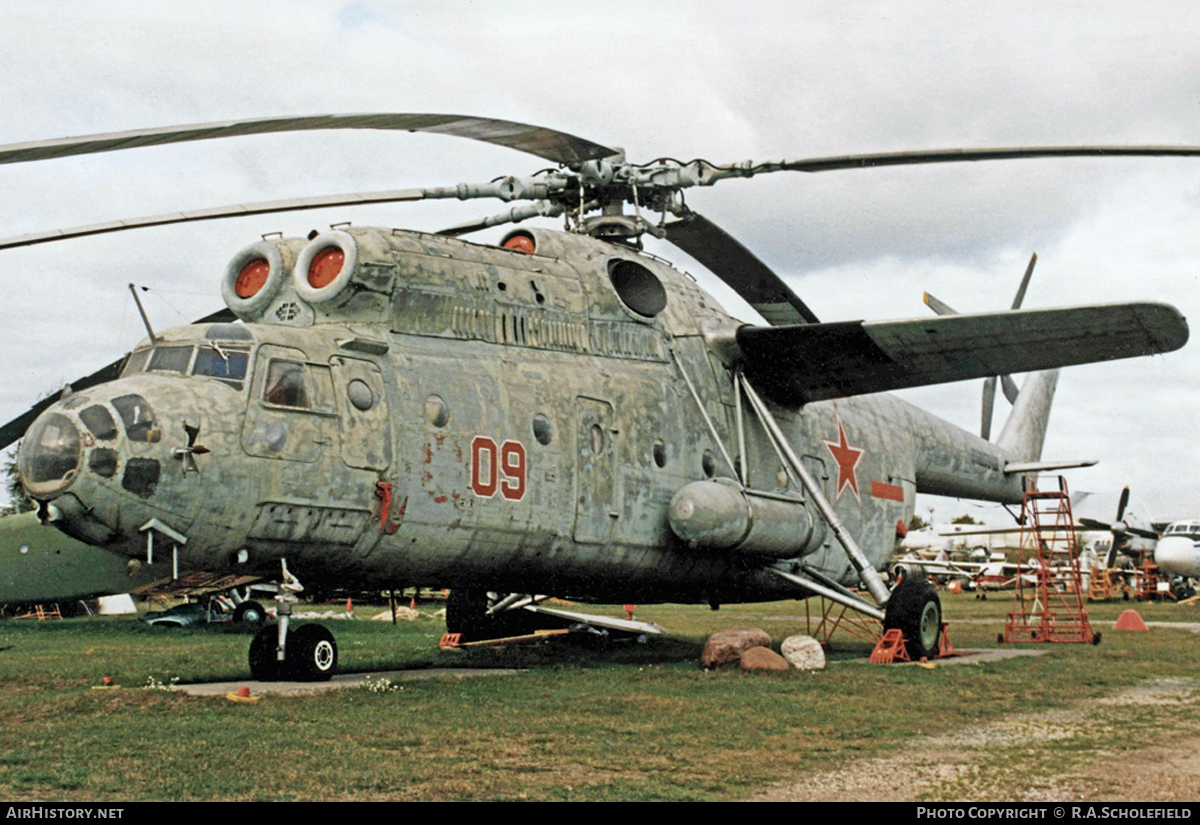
(500, 468)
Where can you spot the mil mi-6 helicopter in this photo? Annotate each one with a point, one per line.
(560, 413)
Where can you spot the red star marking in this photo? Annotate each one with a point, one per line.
(847, 458)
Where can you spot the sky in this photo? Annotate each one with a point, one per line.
(725, 82)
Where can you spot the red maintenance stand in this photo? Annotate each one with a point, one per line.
(1048, 606)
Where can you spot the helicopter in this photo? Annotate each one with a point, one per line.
(560, 413)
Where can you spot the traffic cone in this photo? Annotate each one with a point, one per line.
(1130, 620)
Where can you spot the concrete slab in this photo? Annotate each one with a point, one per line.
(341, 680)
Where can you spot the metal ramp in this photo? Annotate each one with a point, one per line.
(1048, 601)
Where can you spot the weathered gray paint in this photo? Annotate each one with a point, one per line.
(503, 337)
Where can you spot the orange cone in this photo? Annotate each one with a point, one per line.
(1130, 620)
(349, 606)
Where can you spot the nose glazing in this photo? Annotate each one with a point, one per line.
(50, 454)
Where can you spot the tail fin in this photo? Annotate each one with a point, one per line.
(1025, 430)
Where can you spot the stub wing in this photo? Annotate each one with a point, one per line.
(814, 362)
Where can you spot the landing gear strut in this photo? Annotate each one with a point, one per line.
(308, 654)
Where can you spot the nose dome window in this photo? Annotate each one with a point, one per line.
(50, 454)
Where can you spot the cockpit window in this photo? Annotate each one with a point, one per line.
(137, 360)
(140, 424)
(170, 359)
(228, 365)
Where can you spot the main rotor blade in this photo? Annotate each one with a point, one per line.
(741, 269)
(870, 161)
(550, 144)
(14, 430)
(215, 213)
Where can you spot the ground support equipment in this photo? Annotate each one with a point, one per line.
(1048, 600)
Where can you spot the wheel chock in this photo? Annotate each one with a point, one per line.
(450, 640)
(890, 648)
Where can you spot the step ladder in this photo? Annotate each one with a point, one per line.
(1048, 601)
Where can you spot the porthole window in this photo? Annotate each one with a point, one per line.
(709, 463)
(660, 454)
(638, 287)
(98, 420)
(541, 429)
(436, 411)
(360, 394)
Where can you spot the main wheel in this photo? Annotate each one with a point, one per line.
(251, 614)
(263, 665)
(311, 654)
(916, 611)
(466, 613)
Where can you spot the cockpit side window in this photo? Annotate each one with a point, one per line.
(137, 360)
(288, 385)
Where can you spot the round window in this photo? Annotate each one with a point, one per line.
(436, 411)
(360, 394)
(541, 429)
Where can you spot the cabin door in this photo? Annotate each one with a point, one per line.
(595, 476)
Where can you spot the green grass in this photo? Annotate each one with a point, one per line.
(632, 722)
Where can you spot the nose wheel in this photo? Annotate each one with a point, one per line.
(310, 654)
(306, 654)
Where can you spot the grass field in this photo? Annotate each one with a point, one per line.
(636, 722)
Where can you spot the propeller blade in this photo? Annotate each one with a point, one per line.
(940, 307)
(550, 144)
(989, 402)
(741, 269)
(1122, 504)
(1020, 297)
(1011, 390)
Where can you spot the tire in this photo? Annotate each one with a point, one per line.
(466, 612)
(916, 611)
(250, 614)
(263, 665)
(311, 653)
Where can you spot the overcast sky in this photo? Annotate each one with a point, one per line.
(717, 80)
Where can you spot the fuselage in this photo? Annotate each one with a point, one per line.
(404, 409)
(1178, 550)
